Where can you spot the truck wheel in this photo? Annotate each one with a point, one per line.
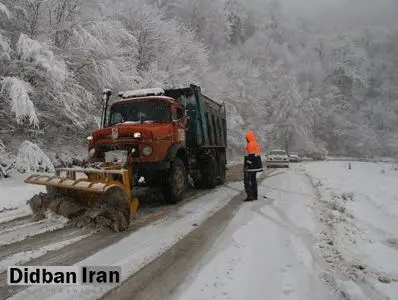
(222, 169)
(209, 173)
(177, 182)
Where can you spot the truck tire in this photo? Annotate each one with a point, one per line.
(209, 173)
(177, 182)
(222, 169)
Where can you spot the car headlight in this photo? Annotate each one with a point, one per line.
(147, 150)
(91, 153)
(90, 138)
(137, 135)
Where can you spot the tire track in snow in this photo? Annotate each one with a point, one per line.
(37, 241)
(25, 256)
(14, 214)
(20, 232)
(15, 222)
(160, 277)
(87, 246)
(75, 252)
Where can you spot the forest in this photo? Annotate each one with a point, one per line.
(311, 77)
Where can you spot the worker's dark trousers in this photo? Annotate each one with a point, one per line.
(250, 181)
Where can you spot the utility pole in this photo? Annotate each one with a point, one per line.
(287, 139)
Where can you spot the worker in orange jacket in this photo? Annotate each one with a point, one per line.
(252, 165)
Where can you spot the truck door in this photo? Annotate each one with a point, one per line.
(179, 121)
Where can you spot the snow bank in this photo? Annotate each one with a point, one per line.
(359, 208)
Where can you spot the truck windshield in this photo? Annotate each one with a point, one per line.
(139, 112)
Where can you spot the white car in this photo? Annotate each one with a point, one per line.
(277, 158)
(294, 157)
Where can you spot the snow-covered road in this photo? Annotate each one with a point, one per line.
(139, 248)
(324, 232)
(266, 250)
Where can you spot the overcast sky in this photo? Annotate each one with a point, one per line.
(348, 12)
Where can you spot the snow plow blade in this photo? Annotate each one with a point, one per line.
(103, 198)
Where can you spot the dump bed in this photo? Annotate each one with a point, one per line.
(207, 126)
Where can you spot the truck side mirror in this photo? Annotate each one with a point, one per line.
(106, 94)
(180, 115)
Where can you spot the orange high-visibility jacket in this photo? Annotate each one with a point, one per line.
(252, 146)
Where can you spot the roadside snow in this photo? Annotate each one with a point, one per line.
(13, 196)
(359, 210)
(266, 250)
(142, 246)
(235, 163)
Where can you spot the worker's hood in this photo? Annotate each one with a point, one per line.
(250, 137)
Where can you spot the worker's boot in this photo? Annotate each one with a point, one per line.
(249, 198)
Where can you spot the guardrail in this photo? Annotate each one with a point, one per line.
(375, 160)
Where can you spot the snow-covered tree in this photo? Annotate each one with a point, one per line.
(21, 104)
(6, 163)
(300, 84)
(31, 158)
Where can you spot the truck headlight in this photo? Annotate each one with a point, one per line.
(91, 153)
(90, 138)
(147, 150)
(137, 135)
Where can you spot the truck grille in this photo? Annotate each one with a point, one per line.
(101, 149)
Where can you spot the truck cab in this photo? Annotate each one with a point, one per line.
(144, 126)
